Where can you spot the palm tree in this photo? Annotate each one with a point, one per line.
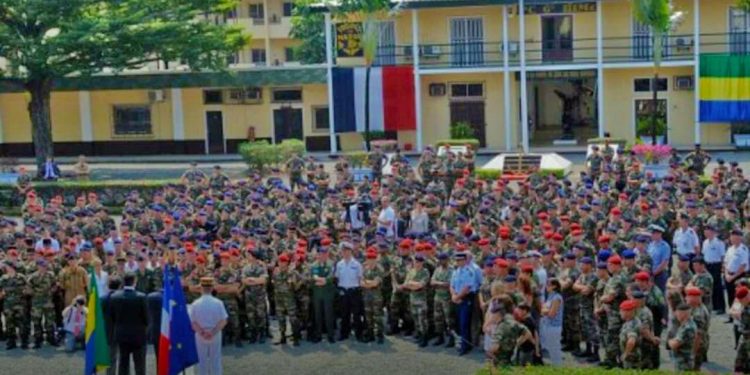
(370, 13)
(661, 18)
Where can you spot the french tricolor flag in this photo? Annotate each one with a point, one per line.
(391, 99)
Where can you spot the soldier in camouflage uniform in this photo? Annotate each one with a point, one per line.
(416, 283)
(648, 341)
(285, 278)
(742, 361)
(697, 160)
(372, 277)
(399, 303)
(295, 166)
(227, 288)
(614, 294)
(703, 280)
(302, 293)
(13, 286)
(254, 279)
(571, 305)
(702, 318)
(682, 343)
(585, 287)
(42, 285)
(440, 283)
(507, 335)
(629, 336)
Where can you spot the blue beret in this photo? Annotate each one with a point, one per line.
(638, 294)
(587, 260)
(570, 256)
(601, 265)
(510, 279)
(545, 251)
(603, 255)
(521, 240)
(684, 258)
(487, 263)
(628, 254)
(511, 256)
(442, 256)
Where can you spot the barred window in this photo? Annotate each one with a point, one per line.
(132, 120)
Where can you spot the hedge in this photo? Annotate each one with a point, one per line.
(356, 159)
(552, 370)
(596, 141)
(261, 154)
(111, 193)
(473, 143)
(494, 174)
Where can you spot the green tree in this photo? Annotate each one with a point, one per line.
(660, 17)
(47, 39)
(308, 26)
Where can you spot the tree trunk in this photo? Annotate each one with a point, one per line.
(41, 121)
(367, 108)
(654, 106)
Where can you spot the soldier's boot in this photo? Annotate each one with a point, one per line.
(24, 343)
(295, 337)
(423, 340)
(440, 340)
(52, 341)
(261, 337)
(380, 338)
(392, 328)
(568, 346)
(11, 344)
(281, 341)
(408, 329)
(253, 337)
(37, 343)
(2, 333)
(451, 341)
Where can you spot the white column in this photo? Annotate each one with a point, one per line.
(599, 70)
(697, 67)
(178, 117)
(417, 79)
(524, 99)
(329, 75)
(267, 28)
(506, 83)
(84, 106)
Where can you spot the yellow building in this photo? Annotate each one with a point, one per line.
(570, 70)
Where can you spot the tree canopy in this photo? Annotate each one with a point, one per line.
(46, 39)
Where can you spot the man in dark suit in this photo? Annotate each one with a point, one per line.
(130, 320)
(114, 284)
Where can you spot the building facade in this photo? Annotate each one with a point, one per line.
(568, 70)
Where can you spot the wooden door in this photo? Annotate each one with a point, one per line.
(557, 38)
(471, 112)
(215, 132)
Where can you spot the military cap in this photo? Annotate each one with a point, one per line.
(207, 282)
(693, 291)
(586, 260)
(459, 256)
(699, 259)
(615, 259)
(628, 254)
(638, 294)
(601, 265)
(627, 305)
(419, 258)
(683, 307)
(684, 258)
(642, 276)
(741, 292)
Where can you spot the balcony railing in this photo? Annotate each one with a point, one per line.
(630, 49)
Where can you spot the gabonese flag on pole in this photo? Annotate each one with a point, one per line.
(177, 339)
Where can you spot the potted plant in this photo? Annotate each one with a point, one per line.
(645, 127)
(652, 155)
(741, 135)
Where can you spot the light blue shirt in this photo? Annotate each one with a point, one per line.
(557, 320)
(466, 276)
(659, 252)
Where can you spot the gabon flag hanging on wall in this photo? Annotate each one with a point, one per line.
(724, 88)
(391, 99)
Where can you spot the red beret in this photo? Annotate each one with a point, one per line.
(13, 252)
(576, 232)
(616, 211)
(98, 240)
(642, 276)
(557, 237)
(500, 262)
(503, 229)
(603, 239)
(623, 196)
(548, 235)
(234, 252)
(615, 259)
(461, 247)
(484, 242)
(325, 242)
(741, 292)
(301, 243)
(283, 258)
(627, 305)
(200, 259)
(405, 244)
(542, 216)
(693, 291)
(504, 236)
(527, 268)
(371, 255)
(575, 226)
(564, 218)
(526, 228)
(547, 225)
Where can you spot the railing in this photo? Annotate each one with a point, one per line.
(560, 51)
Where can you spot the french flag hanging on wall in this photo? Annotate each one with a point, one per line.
(391, 99)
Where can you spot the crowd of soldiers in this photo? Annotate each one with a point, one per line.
(445, 257)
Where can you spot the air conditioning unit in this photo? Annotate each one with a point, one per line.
(253, 95)
(513, 48)
(431, 51)
(684, 83)
(156, 96)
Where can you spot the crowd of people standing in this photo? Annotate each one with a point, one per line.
(523, 271)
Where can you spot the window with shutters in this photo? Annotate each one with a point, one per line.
(467, 41)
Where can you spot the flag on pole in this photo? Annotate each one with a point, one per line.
(724, 88)
(97, 349)
(391, 99)
(177, 349)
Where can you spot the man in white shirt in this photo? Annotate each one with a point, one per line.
(735, 262)
(208, 317)
(685, 240)
(713, 252)
(349, 275)
(47, 243)
(387, 218)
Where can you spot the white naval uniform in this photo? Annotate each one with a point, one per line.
(207, 311)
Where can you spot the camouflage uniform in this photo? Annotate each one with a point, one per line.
(302, 297)
(631, 329)
(373, 301)
(284, 281)
(505, 336)
(705, 282)
(418, 299)
(41, 284)
(742, 361)
(442, 302)
(255, 299)
(13, 287)
(615, 286)
(399, 298)
(702, 318)
(683, 356)
(226, 276)
(571, 309)
(646, 318)
(589, 330)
